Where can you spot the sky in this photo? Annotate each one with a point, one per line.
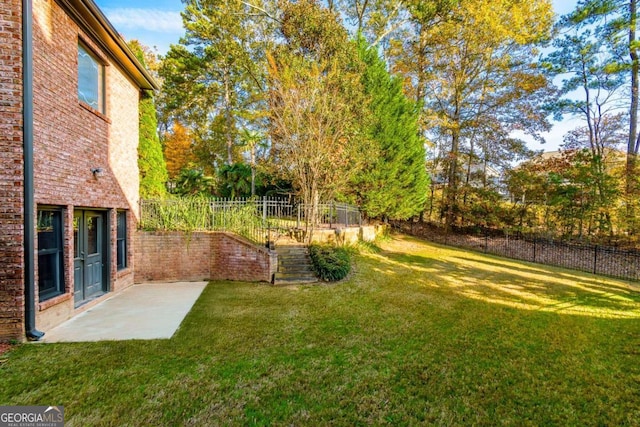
(157, 24)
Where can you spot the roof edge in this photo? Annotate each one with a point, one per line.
(89, 16)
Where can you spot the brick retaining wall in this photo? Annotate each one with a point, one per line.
(176, 256)
(349, 236)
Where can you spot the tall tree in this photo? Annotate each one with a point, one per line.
(151, 163)
(473, 71)
(592, 92)
(215, 77)
(394, 182)
(315, 102)
(615, 23)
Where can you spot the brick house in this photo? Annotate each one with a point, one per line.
(69, 91)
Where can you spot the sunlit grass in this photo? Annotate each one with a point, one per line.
(418, 334)
(516, 284)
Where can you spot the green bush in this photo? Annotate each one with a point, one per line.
(329, 262)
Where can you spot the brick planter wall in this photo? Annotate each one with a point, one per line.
(349, 236)
(177, 256)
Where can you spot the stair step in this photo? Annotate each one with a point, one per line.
(290, 253)
(296, 261)
(295, 271)
(294, 275)
(294, 264)
(295, 280)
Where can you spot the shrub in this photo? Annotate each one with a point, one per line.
(330, 263)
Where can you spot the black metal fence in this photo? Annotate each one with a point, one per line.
(258, 219)
(596, 259)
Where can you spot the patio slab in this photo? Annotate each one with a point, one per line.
(144, 312)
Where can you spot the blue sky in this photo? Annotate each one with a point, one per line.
(157, 24)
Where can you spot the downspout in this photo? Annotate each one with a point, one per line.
(27, 135)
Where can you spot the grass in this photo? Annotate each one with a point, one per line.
(419, 334)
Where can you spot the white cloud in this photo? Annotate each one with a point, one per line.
(144, 19)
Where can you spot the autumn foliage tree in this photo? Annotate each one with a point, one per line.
(315, 104)
(476, 77)
(178, 149)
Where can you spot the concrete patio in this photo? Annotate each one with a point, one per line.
(146, 311)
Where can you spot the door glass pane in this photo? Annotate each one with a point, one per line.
(92, 235)
(76, 236)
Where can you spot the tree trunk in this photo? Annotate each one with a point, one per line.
(253, 170)
(227, 117)
(452, 185)
(634, 140)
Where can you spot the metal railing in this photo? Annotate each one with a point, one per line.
(260, 220)
(596, 259)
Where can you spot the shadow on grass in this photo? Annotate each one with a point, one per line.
(508, 282)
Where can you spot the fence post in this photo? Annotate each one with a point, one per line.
(331, 214)
(264, 209)
(346, 216)
(298, 222)
(486, 241)
(534, 248)
(595, 260)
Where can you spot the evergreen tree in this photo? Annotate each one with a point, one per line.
(395, 182)
(153, 169)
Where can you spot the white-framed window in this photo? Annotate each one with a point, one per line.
(91, 86)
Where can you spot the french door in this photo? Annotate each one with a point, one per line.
(89, 238)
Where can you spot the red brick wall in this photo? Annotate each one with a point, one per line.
(175, 256)
(11, 175)
(172, 256)
(71, 139)
(234, 258)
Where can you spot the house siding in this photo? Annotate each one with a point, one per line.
(11, 173)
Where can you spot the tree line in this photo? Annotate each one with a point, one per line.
(410, 108)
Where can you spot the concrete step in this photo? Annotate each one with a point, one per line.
(298, 269)
(294, 264)
(294, 274)
(284, 281)
(294, 260)
(292, 252)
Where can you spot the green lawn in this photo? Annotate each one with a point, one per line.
(419, 333)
